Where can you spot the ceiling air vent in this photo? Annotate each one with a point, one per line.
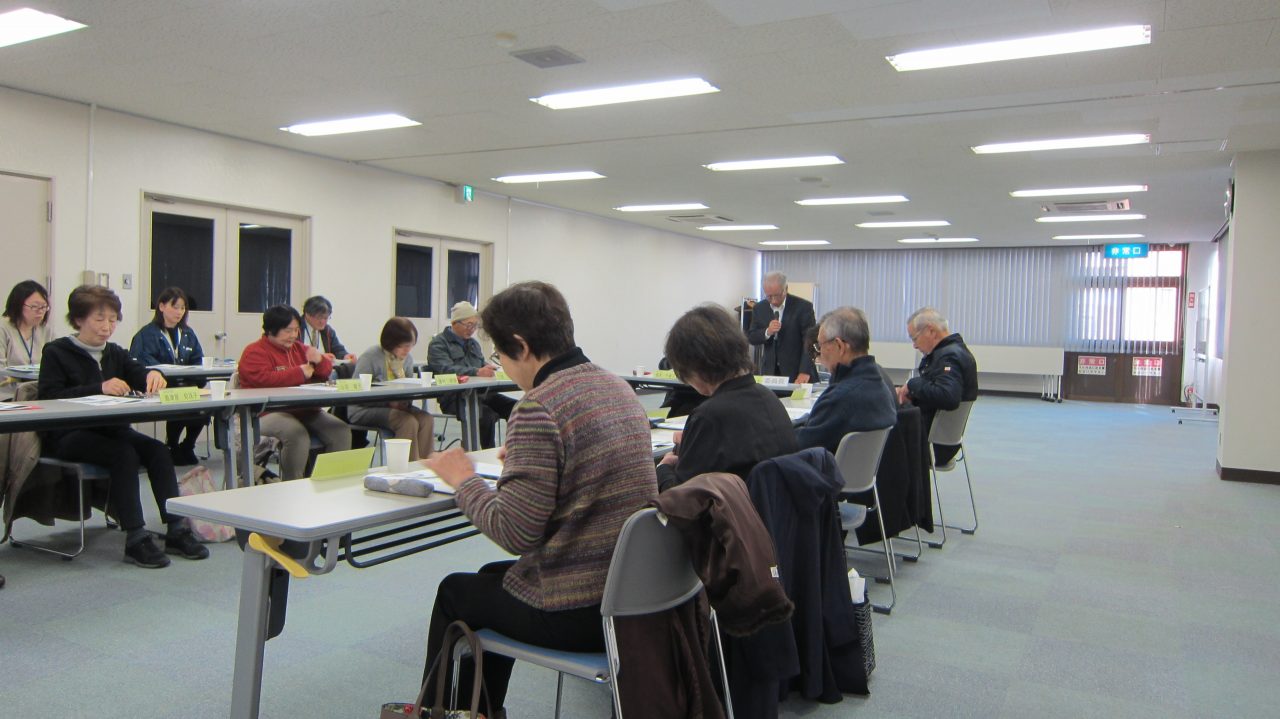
(700, 219)
(1084, 208)
(547, 57)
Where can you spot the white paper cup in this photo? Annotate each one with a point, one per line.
(638, 371)
(428, 378)
(208, 362)
(397, 455)
(217, 389)
(366, 380)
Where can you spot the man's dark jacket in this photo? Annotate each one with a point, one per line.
(857, 400)
(947, 376)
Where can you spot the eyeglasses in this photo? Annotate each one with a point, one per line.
(817, 346)
(37, 308)
(470, 325)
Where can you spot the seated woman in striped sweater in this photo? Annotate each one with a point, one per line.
(559, 509)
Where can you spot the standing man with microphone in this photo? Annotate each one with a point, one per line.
(780, 323)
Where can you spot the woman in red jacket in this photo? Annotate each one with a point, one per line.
(277, 359)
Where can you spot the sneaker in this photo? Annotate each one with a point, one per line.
(146, 554)
(184, 543)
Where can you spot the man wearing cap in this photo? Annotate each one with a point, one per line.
(456, 351)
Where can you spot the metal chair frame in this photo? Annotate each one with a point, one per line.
(858, 457)
(948, 428)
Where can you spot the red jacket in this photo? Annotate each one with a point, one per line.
(265, 364)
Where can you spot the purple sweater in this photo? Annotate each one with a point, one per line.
(579, 463)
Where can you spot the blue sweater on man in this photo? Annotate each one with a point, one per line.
(858, 400)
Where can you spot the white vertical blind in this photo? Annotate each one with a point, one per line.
(1070, 297)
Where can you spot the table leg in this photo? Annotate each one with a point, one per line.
(222, 426)
(251, 635)
(471, 421)
(246, 445)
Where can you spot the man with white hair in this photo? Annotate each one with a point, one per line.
(948, 374)
(858, 399)
(780, 324)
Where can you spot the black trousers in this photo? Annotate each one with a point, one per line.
(173, 430)
(481, 602)
(124, 451)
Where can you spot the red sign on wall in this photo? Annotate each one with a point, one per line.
(1091, 365)
(1191, 300)
(1148, 366)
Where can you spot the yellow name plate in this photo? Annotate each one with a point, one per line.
(502, 376)
(442, 379)
(664, 374)
(350, 385)
(174, 395)
(799, 393)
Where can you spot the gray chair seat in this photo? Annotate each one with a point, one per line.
(852, 516)
(593, 666)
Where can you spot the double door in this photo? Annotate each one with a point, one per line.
(232, 264)
(432, 274)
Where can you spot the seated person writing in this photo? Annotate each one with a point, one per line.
(578, 463)
(390, 359)
(84, 364)
(168, 340)
(742, 422)
(456, 351)
(277, 359)
(858, 398)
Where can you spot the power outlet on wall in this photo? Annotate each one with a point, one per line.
(126, 281)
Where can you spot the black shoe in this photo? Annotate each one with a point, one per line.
(1, 581)
(184, 543)
(183, 456)
(146, 554)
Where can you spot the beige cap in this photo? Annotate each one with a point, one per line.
(462, 311)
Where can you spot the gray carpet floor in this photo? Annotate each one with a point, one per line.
(1113, 576)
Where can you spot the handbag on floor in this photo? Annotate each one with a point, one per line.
(199, 481)
(441, 669)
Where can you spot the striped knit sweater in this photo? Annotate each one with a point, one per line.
(579, 462)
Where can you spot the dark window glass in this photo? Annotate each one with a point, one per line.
(464, 277)
(265, 267)
(413, 281)
(182, 256)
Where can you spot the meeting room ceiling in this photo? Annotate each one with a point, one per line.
(796, 78)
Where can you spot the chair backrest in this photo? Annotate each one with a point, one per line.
(651, 570)
(858, 457)
(26, 391)
(949, 424)
(233, 382)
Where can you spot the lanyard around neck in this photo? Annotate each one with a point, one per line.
(173, 347)
(30, 348)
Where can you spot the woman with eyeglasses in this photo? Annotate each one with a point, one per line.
(167, 339)
(26, 332)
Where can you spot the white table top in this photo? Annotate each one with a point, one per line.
(307, 509)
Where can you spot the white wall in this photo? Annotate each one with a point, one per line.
(1246, 436)
(626, 283)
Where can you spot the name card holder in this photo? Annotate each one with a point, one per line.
(664, 374)
(350, 385)
(443, 379)
(500, 375)
(176, 395)
(773, 380)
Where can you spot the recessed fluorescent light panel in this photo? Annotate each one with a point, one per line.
(935, 240)
(1041, 46)
(1090, 218)
(550, 177)
(24, 25)
(737, 228)
(795, 242)
(673, 207)
(1068, 191)
(907, 223)
(775, 163)
(626, 93)
(1098, 237)
(868, 200)
(1069, 143)
(351, 124)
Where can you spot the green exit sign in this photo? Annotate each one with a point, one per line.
(466, 193)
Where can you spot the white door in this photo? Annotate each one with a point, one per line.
(24, 205)
(232, 264)
(432, 274)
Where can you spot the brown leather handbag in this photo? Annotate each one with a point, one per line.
(441, 668)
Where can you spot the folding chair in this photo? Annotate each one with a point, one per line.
(858, 457)
(650, 572)
(948, 428)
